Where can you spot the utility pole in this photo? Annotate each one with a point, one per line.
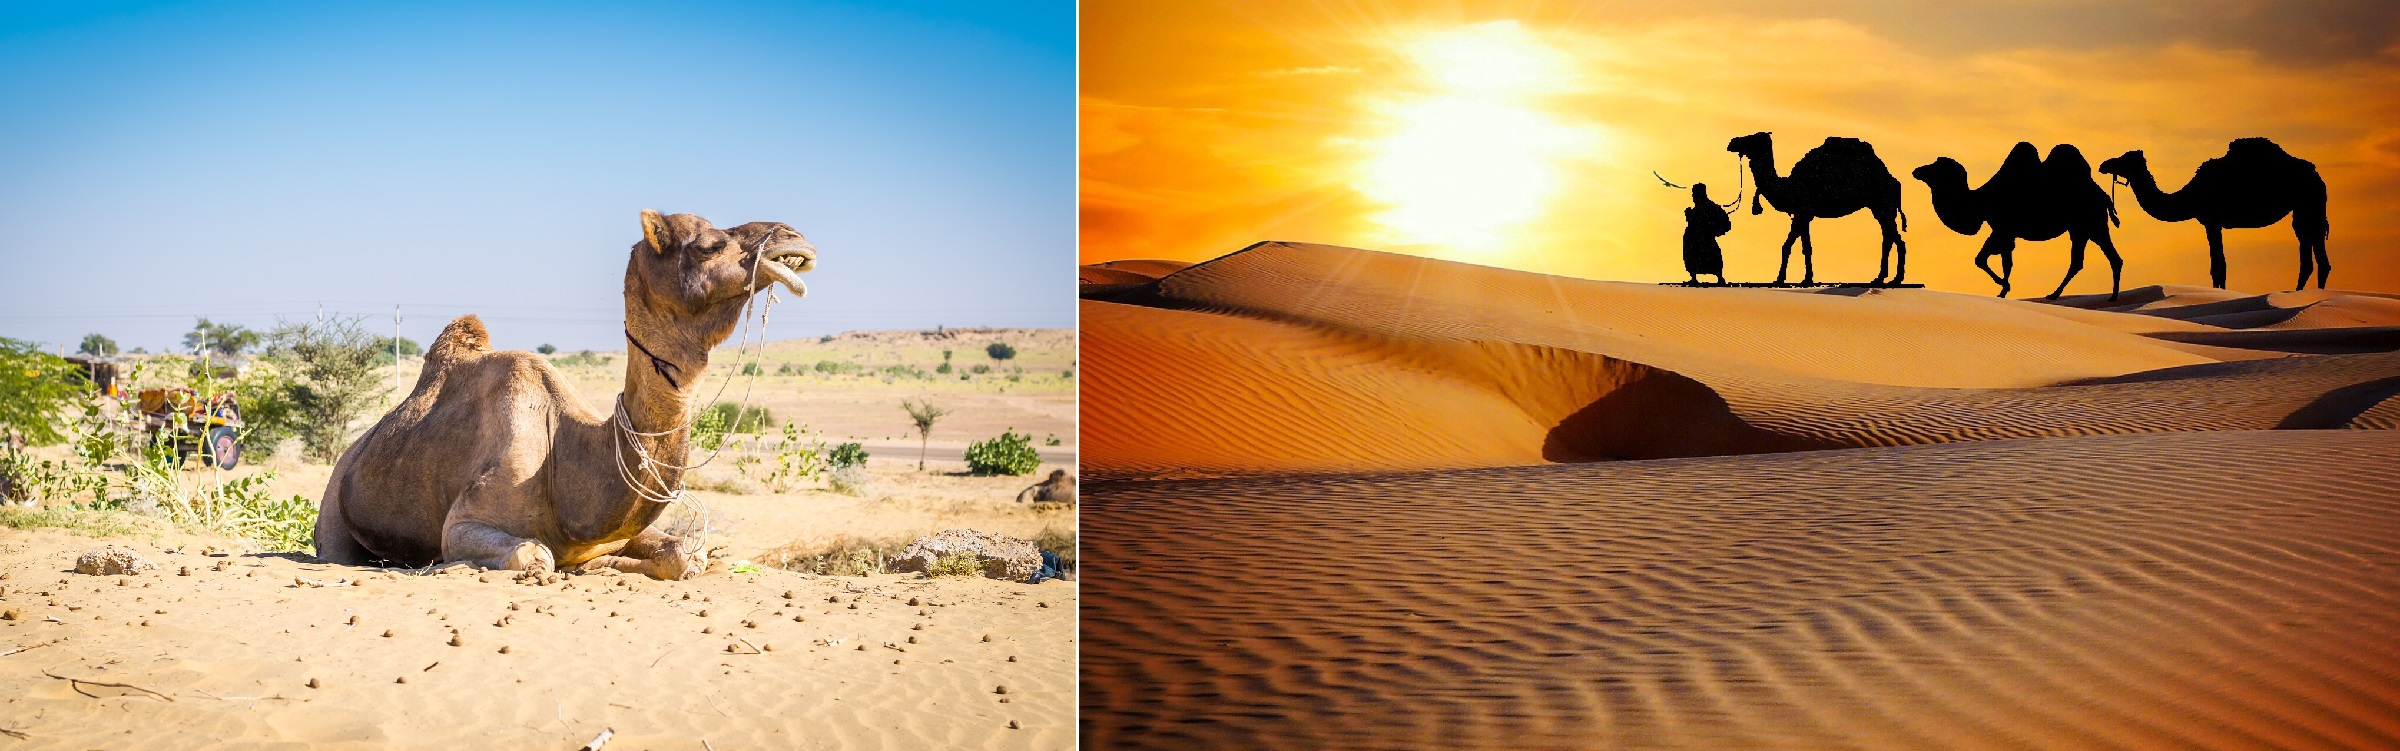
(395, 353)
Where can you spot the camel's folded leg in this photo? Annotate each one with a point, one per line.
(486, 546)
(656, 555)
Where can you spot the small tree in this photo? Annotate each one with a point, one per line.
(1000, 351)
(35, 387)
(923, 414)
(95, 344)
(546, 348)
(221, 338)
(334, 367)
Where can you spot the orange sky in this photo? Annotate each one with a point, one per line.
(1524, 135)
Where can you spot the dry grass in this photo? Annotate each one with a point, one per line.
(841, 555)
(1058, 543)
(82, 521)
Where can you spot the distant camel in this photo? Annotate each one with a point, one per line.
(1058, 489)
(2255, 184)
(2028, 198)
(1832, 180)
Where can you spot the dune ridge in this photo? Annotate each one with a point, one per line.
(2190, 590)
(1302, 358)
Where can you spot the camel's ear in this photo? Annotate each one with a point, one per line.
(654, 230)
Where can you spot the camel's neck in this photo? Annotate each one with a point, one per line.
(660, 379)
(1959, 208)
(2159, 204)
(1770, 184)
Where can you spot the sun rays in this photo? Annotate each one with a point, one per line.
(1467, 159)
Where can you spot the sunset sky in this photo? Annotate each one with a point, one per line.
(1524, 135)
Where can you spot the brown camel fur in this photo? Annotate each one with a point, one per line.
(1058, 489)
(493, 460)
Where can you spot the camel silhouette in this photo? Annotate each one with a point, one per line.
(2255, 184)
(2028, 198)
(1833, 180)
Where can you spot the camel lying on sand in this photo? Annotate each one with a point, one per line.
(493, 459)
(1058, 489)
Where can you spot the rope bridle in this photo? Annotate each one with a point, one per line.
(1740, 182)
(644, 476)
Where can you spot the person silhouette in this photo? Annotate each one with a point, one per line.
(1703, 223)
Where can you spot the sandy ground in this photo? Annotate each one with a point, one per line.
(231, 655)
(231, 651)
(1354, 499)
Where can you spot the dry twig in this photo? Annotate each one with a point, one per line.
(79, 683)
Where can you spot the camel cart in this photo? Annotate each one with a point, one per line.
(209, 426)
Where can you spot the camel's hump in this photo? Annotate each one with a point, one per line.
(1839, 143)
(465, 335)
(2254, 147)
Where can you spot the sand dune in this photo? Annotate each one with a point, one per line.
(2207, 590)
(1287, 358)
(1953, 522)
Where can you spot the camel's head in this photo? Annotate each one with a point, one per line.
(1750, 146)
(2126, 165)
(689, 276)
(1943, 170)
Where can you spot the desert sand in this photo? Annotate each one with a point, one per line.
(1358, 499)
(232, 648)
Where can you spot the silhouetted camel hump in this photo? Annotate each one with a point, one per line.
(2029, 198)
(1835, 179)
(2254, 184)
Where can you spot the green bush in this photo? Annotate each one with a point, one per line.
(35, 387)
(981, 369)
(547, 348)
(1009, 454)
(710, 426)
(584, 357)
(1000, 351)
(742, 419)
(832, 367)
(752, 369)
(944, 369)
(787, 369)
(847, 455)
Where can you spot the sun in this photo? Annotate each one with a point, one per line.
(1468, 159)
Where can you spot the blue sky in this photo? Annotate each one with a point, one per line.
(245, 161)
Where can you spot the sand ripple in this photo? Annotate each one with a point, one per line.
(2103, 592)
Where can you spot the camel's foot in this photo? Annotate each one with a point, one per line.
(675, 559)
(680, 558)
(529, 556)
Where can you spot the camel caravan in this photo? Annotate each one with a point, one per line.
(2031, 197)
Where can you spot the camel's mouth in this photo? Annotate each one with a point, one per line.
(786, 262)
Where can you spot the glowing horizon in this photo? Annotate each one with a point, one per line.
(1527, 139)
